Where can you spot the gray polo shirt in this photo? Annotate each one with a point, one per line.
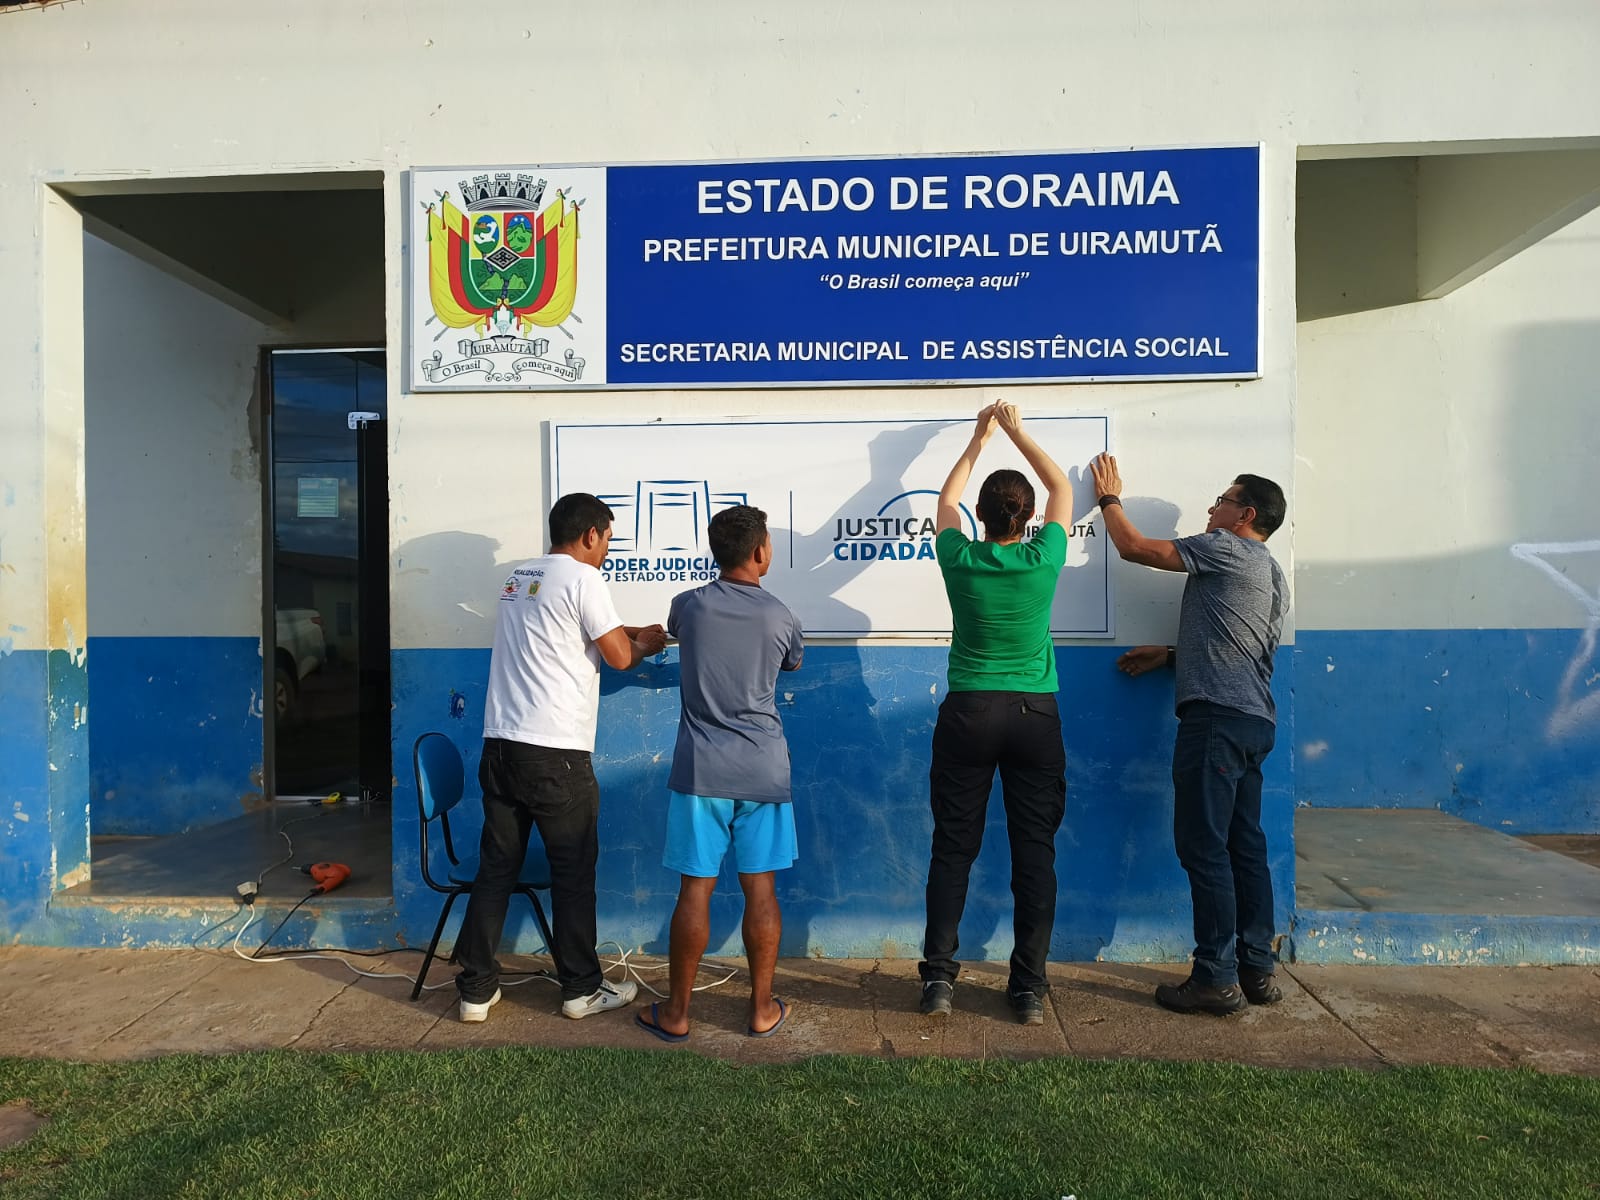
(1232, 618)
(733, 640)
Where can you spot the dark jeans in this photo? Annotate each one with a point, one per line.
(1216, 827)
(524, 786)
(1020, 733)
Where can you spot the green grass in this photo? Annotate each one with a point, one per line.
(624, 1124)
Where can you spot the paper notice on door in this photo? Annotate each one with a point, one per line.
(318, 496)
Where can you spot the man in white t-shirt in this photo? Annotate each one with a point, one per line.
(555, 626)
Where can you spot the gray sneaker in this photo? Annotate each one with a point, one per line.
(603, 999)
(1029, 1007)
(936, 995)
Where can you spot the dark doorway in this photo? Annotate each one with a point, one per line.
(327, 574)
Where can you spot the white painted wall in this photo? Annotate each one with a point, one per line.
(172, 455)
(1434, 436)
(132, 88)
(456, 532)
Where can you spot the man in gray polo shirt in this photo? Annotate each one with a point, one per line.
(1228, 630)
(729, 784)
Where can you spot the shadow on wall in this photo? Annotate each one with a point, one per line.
(859, 721)
(1496, 726)
(1117, 834)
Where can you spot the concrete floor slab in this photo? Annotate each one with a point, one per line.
(523, 1017)
(981, 997)
(831, 1012)
(237, 1006)
(893, 991)
(1404, 860)
(1399, 887)
(68, 1003)
(1547, 1018)
(1108, 1010)
(1584, 847)
(378, 1014)
(212, 860)
(133, 1004)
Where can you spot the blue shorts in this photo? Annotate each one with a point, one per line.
(700, 829)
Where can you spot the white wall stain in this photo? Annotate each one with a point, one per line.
(1312, 751)
(1573, 708)
(78, 874)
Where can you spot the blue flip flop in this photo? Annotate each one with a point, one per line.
(653, 1026)
(783, 1015)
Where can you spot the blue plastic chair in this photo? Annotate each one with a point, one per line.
(440, 784)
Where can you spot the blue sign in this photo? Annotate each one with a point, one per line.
(1129, 264)
(1136, 264)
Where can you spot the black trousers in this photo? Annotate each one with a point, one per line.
(1020, 734)
(524, 786)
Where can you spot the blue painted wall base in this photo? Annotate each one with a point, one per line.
(1496, 726)
(1488, 725)
(1443, 939)
(26, 853)
(177, 739)
(859, 722)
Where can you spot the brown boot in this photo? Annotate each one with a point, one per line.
(1259, 988)
(1191, 997)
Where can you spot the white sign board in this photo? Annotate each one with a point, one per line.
(850, 505)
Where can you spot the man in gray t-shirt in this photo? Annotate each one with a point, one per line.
(1231, 619)
(1228, 629)
(729, 784)
(734, 638)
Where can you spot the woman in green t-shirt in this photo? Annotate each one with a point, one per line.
(1000, 712)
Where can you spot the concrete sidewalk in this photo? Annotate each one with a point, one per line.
(119, 1004)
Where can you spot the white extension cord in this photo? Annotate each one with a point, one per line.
(624, 960)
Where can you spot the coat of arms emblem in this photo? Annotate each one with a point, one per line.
(503, 264)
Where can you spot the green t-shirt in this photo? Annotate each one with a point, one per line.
(1000, 598)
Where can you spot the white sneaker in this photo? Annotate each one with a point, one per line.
(472, 1013)
(603, 999)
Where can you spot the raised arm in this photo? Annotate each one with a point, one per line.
(1130, 543)
(1058, 488)
(948, 515)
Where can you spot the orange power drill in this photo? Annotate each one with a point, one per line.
(327, 875)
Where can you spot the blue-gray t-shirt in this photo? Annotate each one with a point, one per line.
(1232, 618)
(733, 640)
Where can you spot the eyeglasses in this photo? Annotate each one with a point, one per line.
(1221, 500)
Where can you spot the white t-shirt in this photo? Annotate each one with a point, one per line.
(544, 674)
